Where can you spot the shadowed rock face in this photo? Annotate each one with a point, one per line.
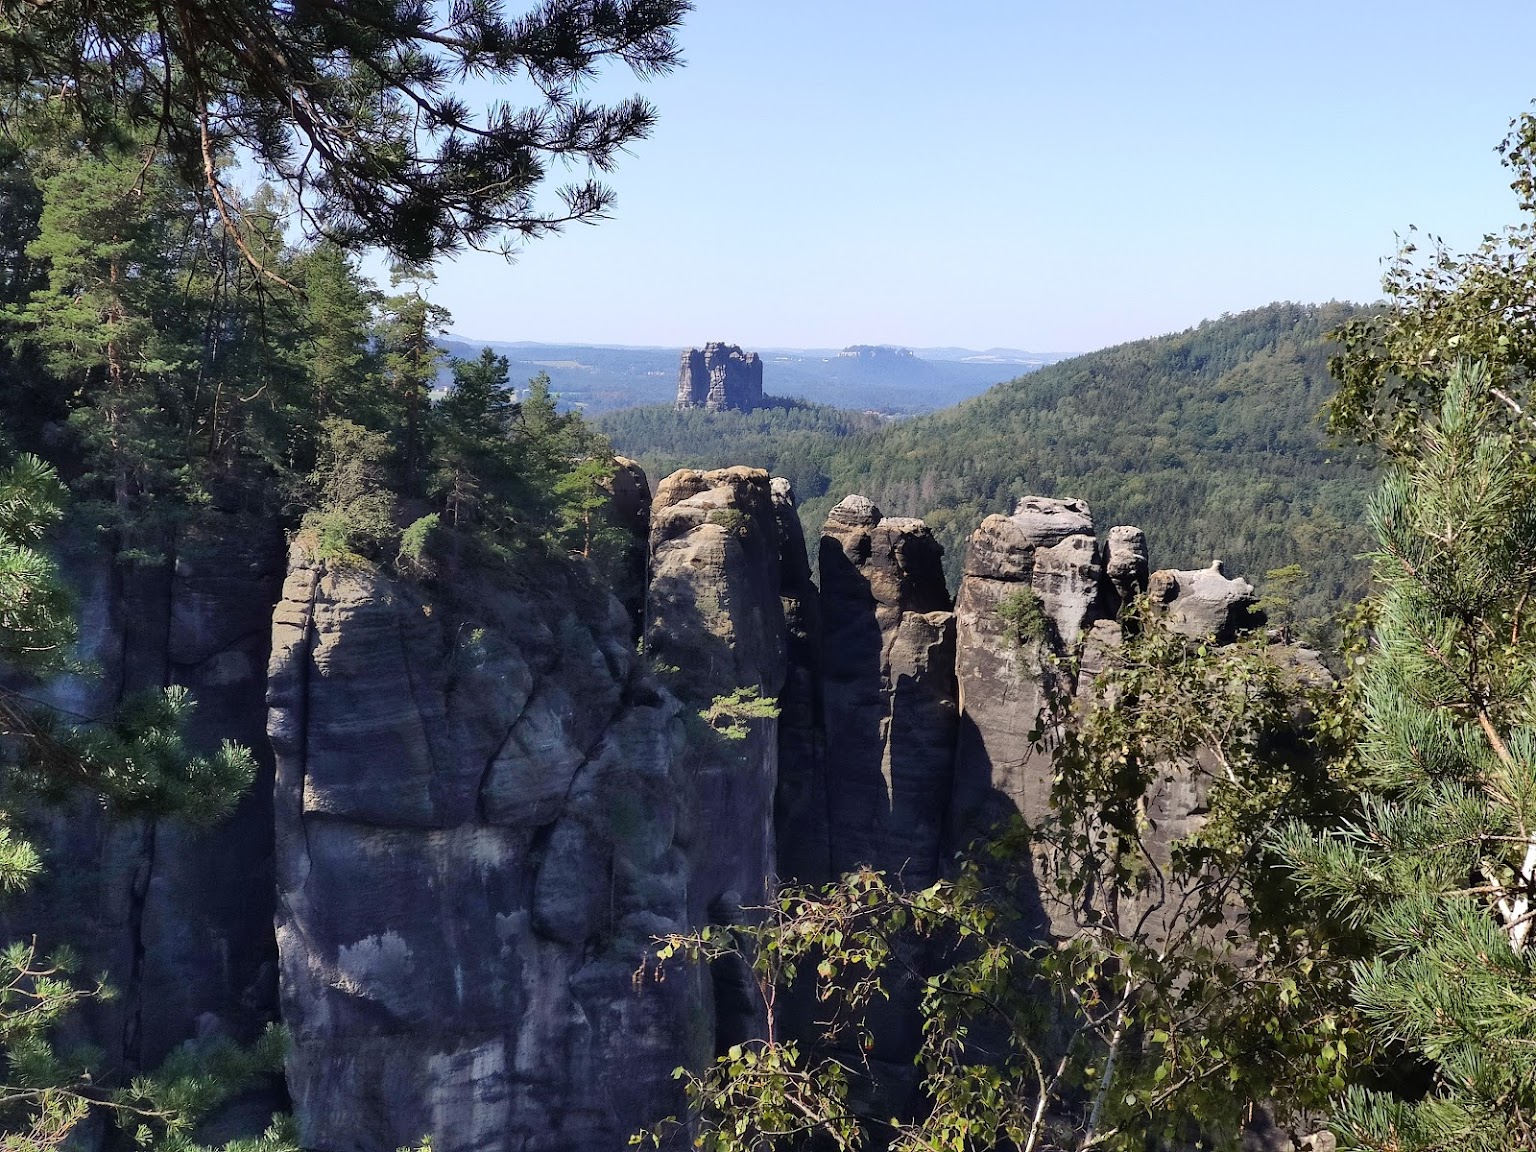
(178, 919)
(629, 510)
(800, 803)
(888, 658)
(720, 376)
(478, 829)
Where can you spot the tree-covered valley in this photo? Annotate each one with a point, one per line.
(1211, 440)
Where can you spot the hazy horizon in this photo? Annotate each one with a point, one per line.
(1053, 177)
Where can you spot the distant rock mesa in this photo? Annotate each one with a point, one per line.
(719, 377)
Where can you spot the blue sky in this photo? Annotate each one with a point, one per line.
(1049, 176)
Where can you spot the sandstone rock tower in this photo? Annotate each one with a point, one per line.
(721, 376)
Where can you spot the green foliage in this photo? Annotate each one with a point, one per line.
(472, 432)
(103, 322)
(1173, 991)
(354, 511)
(47, 1096)
(1438, 870)
(408, 332)
(1443, 307)
(163, 1109)
(1279, 589)
(731, 714)
(1025, 625)
(36, 621)
(791, 438)
(356, 112)
(522, 472)
(135, 759)
(412, 557)
(733, 520)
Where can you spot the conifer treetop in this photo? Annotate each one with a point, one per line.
(353, 105)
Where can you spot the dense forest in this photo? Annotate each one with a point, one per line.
(1211, 440)
(792, 438)
(167, 377)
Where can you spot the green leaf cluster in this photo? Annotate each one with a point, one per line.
(1170, 994)
(730, 715)
(354, 110)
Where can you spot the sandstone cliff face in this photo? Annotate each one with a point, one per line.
(1047, 555)
(888, 658)
(716, 617)
(800, 808)
(478, 829)
(720, 376)
(178, 919)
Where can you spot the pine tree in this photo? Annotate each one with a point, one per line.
(472, 439)
(355, 107)
(408, 335)
(108, 235)
(1439, 869)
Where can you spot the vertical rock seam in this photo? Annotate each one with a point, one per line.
(888, 656)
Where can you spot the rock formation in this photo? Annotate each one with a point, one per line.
(479, 828)
(888, 652)
(720, 376)
(716, 624)
(1040, 569)
(177, 919)
(487, 802)
(1206, 602)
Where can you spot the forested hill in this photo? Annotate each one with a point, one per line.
(1209, 439)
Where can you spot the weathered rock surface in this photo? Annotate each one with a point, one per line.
(177, 918)
(1206, 602)
(1125, 562)
(716, 624)
(720, 376)
(731, 607)
(888, 658)
(478, 827)
(800, 805)
(1041, 563)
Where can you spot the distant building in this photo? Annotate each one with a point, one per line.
(719, 377)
